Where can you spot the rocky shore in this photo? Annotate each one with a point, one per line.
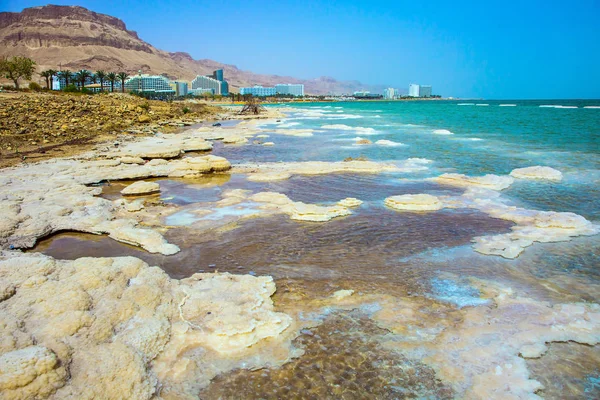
(38, 126)
(117, 327)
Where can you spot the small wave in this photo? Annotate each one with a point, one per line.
(482, 105)
(288, 124)
(390, 143)
(443, 132)
(465, 104)
(508, 105)
(342, 127)
(475, 139)
(338, 107)
(556, 106)
(592, 107)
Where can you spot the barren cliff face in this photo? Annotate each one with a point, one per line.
(60, 26)
(75, 38)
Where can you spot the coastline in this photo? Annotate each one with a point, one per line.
(156, 335)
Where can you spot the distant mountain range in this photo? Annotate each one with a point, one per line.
(76, 38)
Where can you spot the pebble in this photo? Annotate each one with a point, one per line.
(252, 273)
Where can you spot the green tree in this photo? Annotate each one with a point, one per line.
(16, 68)
(112, 78)
(123, 77)
(101, 75)
(81, 77)
(66, 75)
(52, 73)
(47, 74)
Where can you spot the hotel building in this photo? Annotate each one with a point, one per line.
(425, 91)
(390, 93)
(149, 83)
(180, 87)
(215, 82)
(413, 90)
(258, 91)
(289, 88)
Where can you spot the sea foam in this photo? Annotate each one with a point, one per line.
(443, 132)
(342, 127)
(390, 143)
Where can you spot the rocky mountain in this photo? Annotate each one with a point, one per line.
(76, 38)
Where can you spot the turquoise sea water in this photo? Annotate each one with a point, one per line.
(470, 139)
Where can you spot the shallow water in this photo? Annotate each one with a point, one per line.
(424, 258)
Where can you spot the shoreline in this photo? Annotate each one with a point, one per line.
(143, 334)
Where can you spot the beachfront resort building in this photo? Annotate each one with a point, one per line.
(215, 82)
(180, 87)
(149, 83)
(413, 90)
(390, 93)
(425, 91)
(290, 89)
(258, 91)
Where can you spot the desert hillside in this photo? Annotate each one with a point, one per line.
(75, 38)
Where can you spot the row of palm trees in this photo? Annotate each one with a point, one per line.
(81, 76)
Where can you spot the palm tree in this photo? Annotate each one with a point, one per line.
(122, 76)
(101, 75)
(112, 77)
(46, 74)
(66, 75)
(81, 76)
(52, 73)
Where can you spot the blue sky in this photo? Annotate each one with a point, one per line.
(491, 49)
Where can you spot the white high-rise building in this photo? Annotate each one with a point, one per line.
(390, 93)
(289, 88)
(413, 90)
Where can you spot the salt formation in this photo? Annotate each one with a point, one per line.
(141, 187)
(532, 226)
(492, 369)
(235, 140)
(362, 142)
(117, 328)
(269, 176)
(414, 202)
(293, 132)
(537, 172)
(490, 181)
(40, 199)
(482, 194)
(350, 202)
(276, 171)
(299, 211)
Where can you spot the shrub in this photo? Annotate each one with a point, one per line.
(186, 110)
(35, 86)
(145, 106)
(70, 89)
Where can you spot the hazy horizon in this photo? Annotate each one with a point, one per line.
(474, 50)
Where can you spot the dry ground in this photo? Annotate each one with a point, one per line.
(37, 126)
